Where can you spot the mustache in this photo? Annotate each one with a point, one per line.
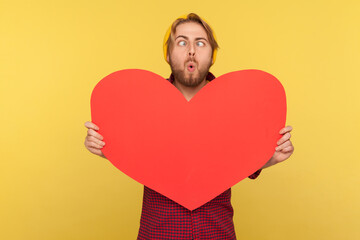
(191, 59)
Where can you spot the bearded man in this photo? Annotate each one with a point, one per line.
(190, 48)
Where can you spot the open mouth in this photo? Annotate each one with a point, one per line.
(191, 67)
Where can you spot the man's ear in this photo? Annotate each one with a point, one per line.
(167, 57)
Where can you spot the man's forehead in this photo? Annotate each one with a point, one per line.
(190, 30)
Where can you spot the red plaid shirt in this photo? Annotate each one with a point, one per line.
(162, 218)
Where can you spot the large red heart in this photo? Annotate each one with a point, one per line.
(189, 151)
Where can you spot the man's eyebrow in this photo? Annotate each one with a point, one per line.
(182, 37)
(199, 38)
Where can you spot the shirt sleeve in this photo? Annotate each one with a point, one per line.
(255, 174)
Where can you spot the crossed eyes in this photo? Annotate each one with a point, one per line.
(183, 43)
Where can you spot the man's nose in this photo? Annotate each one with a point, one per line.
(191, 50)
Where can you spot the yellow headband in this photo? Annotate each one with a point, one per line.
(167, 35)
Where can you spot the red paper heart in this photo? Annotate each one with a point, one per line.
(189, 151)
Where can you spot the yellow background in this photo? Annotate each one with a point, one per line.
(52, 53)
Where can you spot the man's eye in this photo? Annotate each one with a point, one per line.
(200, 44)
(182, 43)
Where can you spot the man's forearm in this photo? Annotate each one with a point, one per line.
(268, 164)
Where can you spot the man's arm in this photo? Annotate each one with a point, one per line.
(284, 149)
(282, 152)
(93, 140)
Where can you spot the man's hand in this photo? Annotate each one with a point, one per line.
(93, 140)
(284, 149)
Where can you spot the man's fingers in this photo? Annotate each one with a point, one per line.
(96, 151)
(91, 125)
(288, 149)
(95, 134)
(286, 129)
(284, 138)
(282, 146)
(94, 145)
(95, 140)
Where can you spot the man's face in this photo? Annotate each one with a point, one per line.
(190, 56)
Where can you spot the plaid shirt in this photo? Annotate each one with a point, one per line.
(162, 218)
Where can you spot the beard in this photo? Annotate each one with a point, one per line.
(189, 79)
